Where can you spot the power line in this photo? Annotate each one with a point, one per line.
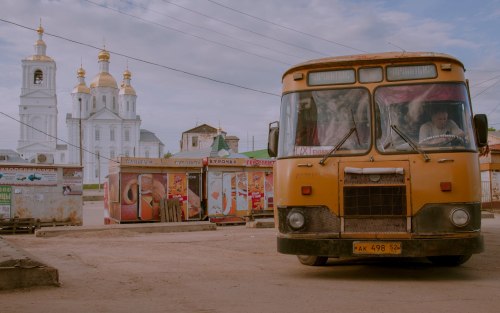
(246, 29)
(149, 62)
(183, 32)
(57, 138)
(286, 27)
(211, 30)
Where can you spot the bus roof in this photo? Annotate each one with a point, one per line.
(373, 58)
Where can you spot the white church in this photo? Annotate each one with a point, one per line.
(103, 123)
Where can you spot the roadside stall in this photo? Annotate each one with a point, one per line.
(238, 188)
(138, 186)
(260, 187)
(41, 194)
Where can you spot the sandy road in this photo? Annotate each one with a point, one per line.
(237, 269)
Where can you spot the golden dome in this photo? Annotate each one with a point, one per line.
(127, 74)
(81, 88)
(80, 72)
(127, 90)
(103, 55)
(103, 79)
(40, 30)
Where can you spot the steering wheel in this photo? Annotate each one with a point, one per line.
(448, 138)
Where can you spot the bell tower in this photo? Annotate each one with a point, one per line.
(38, 103)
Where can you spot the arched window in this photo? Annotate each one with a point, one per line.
(104, 100)
(128, 106)
(38, 77)
(114, 104)
(94, 102)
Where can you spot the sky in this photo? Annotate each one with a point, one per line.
(220, 62)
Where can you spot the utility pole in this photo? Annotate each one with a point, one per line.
(80, 130)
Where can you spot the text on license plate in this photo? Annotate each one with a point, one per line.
(376, 247)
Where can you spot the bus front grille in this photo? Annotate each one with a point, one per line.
(375, 201)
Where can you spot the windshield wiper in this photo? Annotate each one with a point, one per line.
(341, 142)
(411, 143)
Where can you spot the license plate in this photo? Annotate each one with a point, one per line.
(376, 247)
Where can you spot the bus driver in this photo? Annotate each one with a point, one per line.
(439, 127)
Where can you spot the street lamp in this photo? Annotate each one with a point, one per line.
(80, 131)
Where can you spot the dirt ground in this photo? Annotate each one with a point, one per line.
(237, 269)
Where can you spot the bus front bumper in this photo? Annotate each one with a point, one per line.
(376, 247)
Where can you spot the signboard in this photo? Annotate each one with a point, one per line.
(5, 201)
(18, 176)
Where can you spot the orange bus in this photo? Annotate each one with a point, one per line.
(377, 155)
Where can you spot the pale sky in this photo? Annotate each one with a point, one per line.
(228, 41)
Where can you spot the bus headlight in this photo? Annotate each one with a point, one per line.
(460, 217)
(296, 220)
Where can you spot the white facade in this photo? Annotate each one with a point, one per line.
(103, 123)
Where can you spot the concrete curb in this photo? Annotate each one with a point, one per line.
(137, 228)
(19, 269)
(261, 223)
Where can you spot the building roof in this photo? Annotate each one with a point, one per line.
(257, 154)
(147, 136)
(11, 156)
(204, 128)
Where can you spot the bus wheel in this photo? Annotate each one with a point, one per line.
(449, 260)
(312, 260)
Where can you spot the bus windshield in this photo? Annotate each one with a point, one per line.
(432, 117)
(315, 122)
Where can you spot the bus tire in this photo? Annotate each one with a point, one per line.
(449, 260)
(312, 260)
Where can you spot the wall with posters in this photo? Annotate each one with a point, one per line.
(136, 187)
(48, 193)
(209, 187)
(239, 187)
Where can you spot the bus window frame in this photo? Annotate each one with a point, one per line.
(382, 68)
(377, 127)
(333, 84)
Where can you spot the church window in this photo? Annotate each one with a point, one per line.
(127, 135)
(104, 100)
(112, 134)
(128, 106)
(87, 106)
(94, 103)
(38, 77)
(147, 153)
(97, 135)
(194, 141)
(114, 103)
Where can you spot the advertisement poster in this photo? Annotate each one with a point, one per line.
(269, 188)
(177, 188)
(214, 189)
(228, 193)
(28, 176)
(256, 190)
(129, 194)
(151, 191)
(194, 196)
(5, 201)
(241, 191)
(72, 181)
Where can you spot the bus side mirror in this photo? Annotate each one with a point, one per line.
(481, 126)
(272, 139)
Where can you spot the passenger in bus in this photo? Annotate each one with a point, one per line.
(439, 129)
